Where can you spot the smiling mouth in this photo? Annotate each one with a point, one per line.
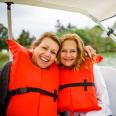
(45, 60)
(68, 60)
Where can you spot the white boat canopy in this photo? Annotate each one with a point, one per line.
(97, 10)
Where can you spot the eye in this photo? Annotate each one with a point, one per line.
(53, 53)
(73, 51)
(45, 48)
(63, 50)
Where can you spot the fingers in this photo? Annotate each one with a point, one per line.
(88, 51)
(85, 53)
(91, 49)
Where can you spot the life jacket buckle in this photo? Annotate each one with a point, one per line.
(23, 90)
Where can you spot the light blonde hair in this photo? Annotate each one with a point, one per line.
(80, 50)
(49, 35)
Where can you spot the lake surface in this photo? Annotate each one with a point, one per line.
(109, 59)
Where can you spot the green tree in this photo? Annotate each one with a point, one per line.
(83, 35)
(97, 40)
(70, 27)
(81, 32)
(25, 39)
(110, 45)
(93, 37)
(3, 37)
(60, 28)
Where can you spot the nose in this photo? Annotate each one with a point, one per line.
(68, 54)
(47, 53)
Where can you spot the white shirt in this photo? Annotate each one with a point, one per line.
(101, 93)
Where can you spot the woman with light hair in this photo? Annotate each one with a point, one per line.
(82, 90)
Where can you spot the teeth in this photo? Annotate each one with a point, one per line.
(44, 59)
(68, 59)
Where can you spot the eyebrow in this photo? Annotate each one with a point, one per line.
(73, 49)
(52, 49)
(66, 49)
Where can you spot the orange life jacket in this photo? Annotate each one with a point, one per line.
(77, 91)
(34, 90)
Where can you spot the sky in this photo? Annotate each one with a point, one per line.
(38, 20)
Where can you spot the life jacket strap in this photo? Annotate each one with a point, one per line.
(85, 84)
(31, 89)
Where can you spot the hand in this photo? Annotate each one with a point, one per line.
(88, 51)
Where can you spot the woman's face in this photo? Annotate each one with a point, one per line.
(68, 53)
(45, 53)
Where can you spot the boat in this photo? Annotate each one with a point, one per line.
(98, 11)
(109, 75)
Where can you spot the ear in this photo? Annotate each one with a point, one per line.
(34, 47)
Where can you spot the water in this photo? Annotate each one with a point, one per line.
(109, 60)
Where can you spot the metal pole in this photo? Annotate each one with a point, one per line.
(9, 24)
(112, 29)
(104, 28)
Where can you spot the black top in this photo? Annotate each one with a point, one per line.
(4, 81)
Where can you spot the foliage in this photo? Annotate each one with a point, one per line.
(3, 37)
(97, 40)
(93, 37)
(4, 56)
(83, 34)
(100, 43)
(25, 39)
(61, 29)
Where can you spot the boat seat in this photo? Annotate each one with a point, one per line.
(109, 75)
